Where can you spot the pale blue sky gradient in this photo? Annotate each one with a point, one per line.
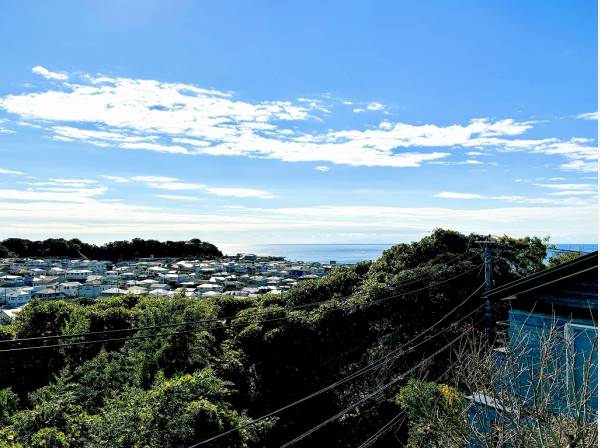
(291, 122)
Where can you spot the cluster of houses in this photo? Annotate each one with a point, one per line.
(24, 279)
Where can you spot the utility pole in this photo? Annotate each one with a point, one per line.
(489, 285)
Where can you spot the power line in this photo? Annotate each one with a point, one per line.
(371, 440)
(567, 251)
(386, 427)
(397, 352)
(202, 321)
(217, 320)
(550, 249)
(370, 395)
(99, 341)
(159, 335)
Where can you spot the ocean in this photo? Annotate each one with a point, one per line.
(340, 253)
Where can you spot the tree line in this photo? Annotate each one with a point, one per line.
(113, 251)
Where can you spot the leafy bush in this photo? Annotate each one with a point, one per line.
(436, 414)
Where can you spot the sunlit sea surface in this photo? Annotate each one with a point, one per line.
(340, 253)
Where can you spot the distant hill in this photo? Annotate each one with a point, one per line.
(114, 251)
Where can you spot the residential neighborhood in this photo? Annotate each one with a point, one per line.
(246, 275)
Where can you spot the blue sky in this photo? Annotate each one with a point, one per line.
(291, 122)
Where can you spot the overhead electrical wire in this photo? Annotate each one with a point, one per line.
(371, 366)
(217, 320)
(370, 395)
(381, 431)
(568, 251)
(371, 440)
(202, 321)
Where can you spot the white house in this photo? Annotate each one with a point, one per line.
(113, 292)
(69, 289)
(92, 290)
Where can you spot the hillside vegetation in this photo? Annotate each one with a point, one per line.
(249, 356)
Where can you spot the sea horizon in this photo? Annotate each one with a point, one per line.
(341, 253)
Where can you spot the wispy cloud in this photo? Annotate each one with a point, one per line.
(568, 198)
(573, 193)
(565, 186)
(7, 171)
(177, 197)
(150, 115)
(323, 169)
(581, 165)
(460, 162)
(42, 71)
(153, 179)
(69, 193)
(175, 184)
(588, 116)
(375, 106)
(240, 192)
(117, 179)
(454, 195)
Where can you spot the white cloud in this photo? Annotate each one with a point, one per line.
(519, 199)
(567, 186)
(461, 162)
(375, 106)
(59, 183)
(7, 171)
(154, 179)
(176, 186)
(454, 195)
(186, 119)
(573, 193)
(582, 155)
(588, 116)
(240, 192)
(476, 153)
(55, 195)
(192, 141)
(39, 70)
(323, 169)
(580, 165)
(177, 197)
(117, 179)
(171, 149)
(73, 181)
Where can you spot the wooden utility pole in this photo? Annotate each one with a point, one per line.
(489, 285)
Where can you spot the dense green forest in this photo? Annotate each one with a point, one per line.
(176, 386)
(114, 251)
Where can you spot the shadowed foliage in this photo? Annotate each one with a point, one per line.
(170, 390)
